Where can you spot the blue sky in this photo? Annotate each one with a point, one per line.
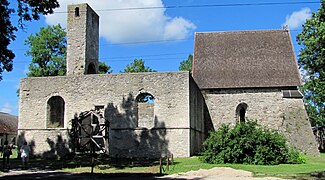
(162, 37)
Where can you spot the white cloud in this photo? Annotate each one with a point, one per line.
(297, 18)
(6, 108)
(178, 28)
(130, 25)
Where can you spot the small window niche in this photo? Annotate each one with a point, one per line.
(76, 12)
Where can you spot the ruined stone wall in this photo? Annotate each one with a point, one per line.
(146, 115)
(82, 39)
(196, 118)
(48, 143)
(92, 41)
(117, 93)
(269, 108)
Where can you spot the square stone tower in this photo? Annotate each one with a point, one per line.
(82, 38)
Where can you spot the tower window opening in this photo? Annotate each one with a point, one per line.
(76, 12)
(91, 69)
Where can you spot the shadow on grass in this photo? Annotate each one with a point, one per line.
(47, 169)
(320, 175)
(80, 176)
(102, 163)
(307, 176)
(299, 176)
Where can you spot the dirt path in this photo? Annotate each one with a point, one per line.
(211, 174)
(221, 173)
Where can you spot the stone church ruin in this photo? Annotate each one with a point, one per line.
(236, 76)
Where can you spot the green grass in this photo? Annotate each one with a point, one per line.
(82, 164)
(313, 164)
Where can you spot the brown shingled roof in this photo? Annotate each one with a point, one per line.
(245, 59)
(8, 123)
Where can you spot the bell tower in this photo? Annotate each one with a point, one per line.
(82, 40)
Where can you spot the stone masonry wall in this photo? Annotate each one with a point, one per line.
(269, 108)
(92, 40)
(83, 39)
(116, 92)
(196, 118)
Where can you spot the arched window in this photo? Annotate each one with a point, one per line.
(145, 109)
(55, 112)
(91, 69)
(76, 12)
(241, 112)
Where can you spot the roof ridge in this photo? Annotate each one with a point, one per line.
(243, 31)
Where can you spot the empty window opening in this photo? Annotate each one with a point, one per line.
(145, 98)
(55, 112)
(91, 69)
(241, 112)
(76, 12)
(145, 110)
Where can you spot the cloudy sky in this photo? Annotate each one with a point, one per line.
(161, 32)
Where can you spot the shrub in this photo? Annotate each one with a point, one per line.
(295, 157)
(248, 143)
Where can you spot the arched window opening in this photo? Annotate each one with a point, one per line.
(76, 12)
(145, 109)
(145, 98)
(55, 112)
(91, 69)
(241, 112)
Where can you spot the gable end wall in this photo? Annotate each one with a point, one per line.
(269, 108)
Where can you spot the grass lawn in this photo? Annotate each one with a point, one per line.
(313, 164)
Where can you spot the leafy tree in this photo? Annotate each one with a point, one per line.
(186, 65)
(104, 69)
(48, 51)
(312, 61)
(27, 10)
(137, 66)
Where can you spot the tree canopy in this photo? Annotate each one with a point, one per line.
(48, 51)
(137, 66)
(312, 62)
(27, 10)
(104, 69)
(186, 65)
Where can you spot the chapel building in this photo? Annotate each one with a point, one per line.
(237, 76)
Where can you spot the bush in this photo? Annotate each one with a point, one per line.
(295, 157)
(248, 143)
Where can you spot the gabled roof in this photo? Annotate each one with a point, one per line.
(245, 59)
(8, 123)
